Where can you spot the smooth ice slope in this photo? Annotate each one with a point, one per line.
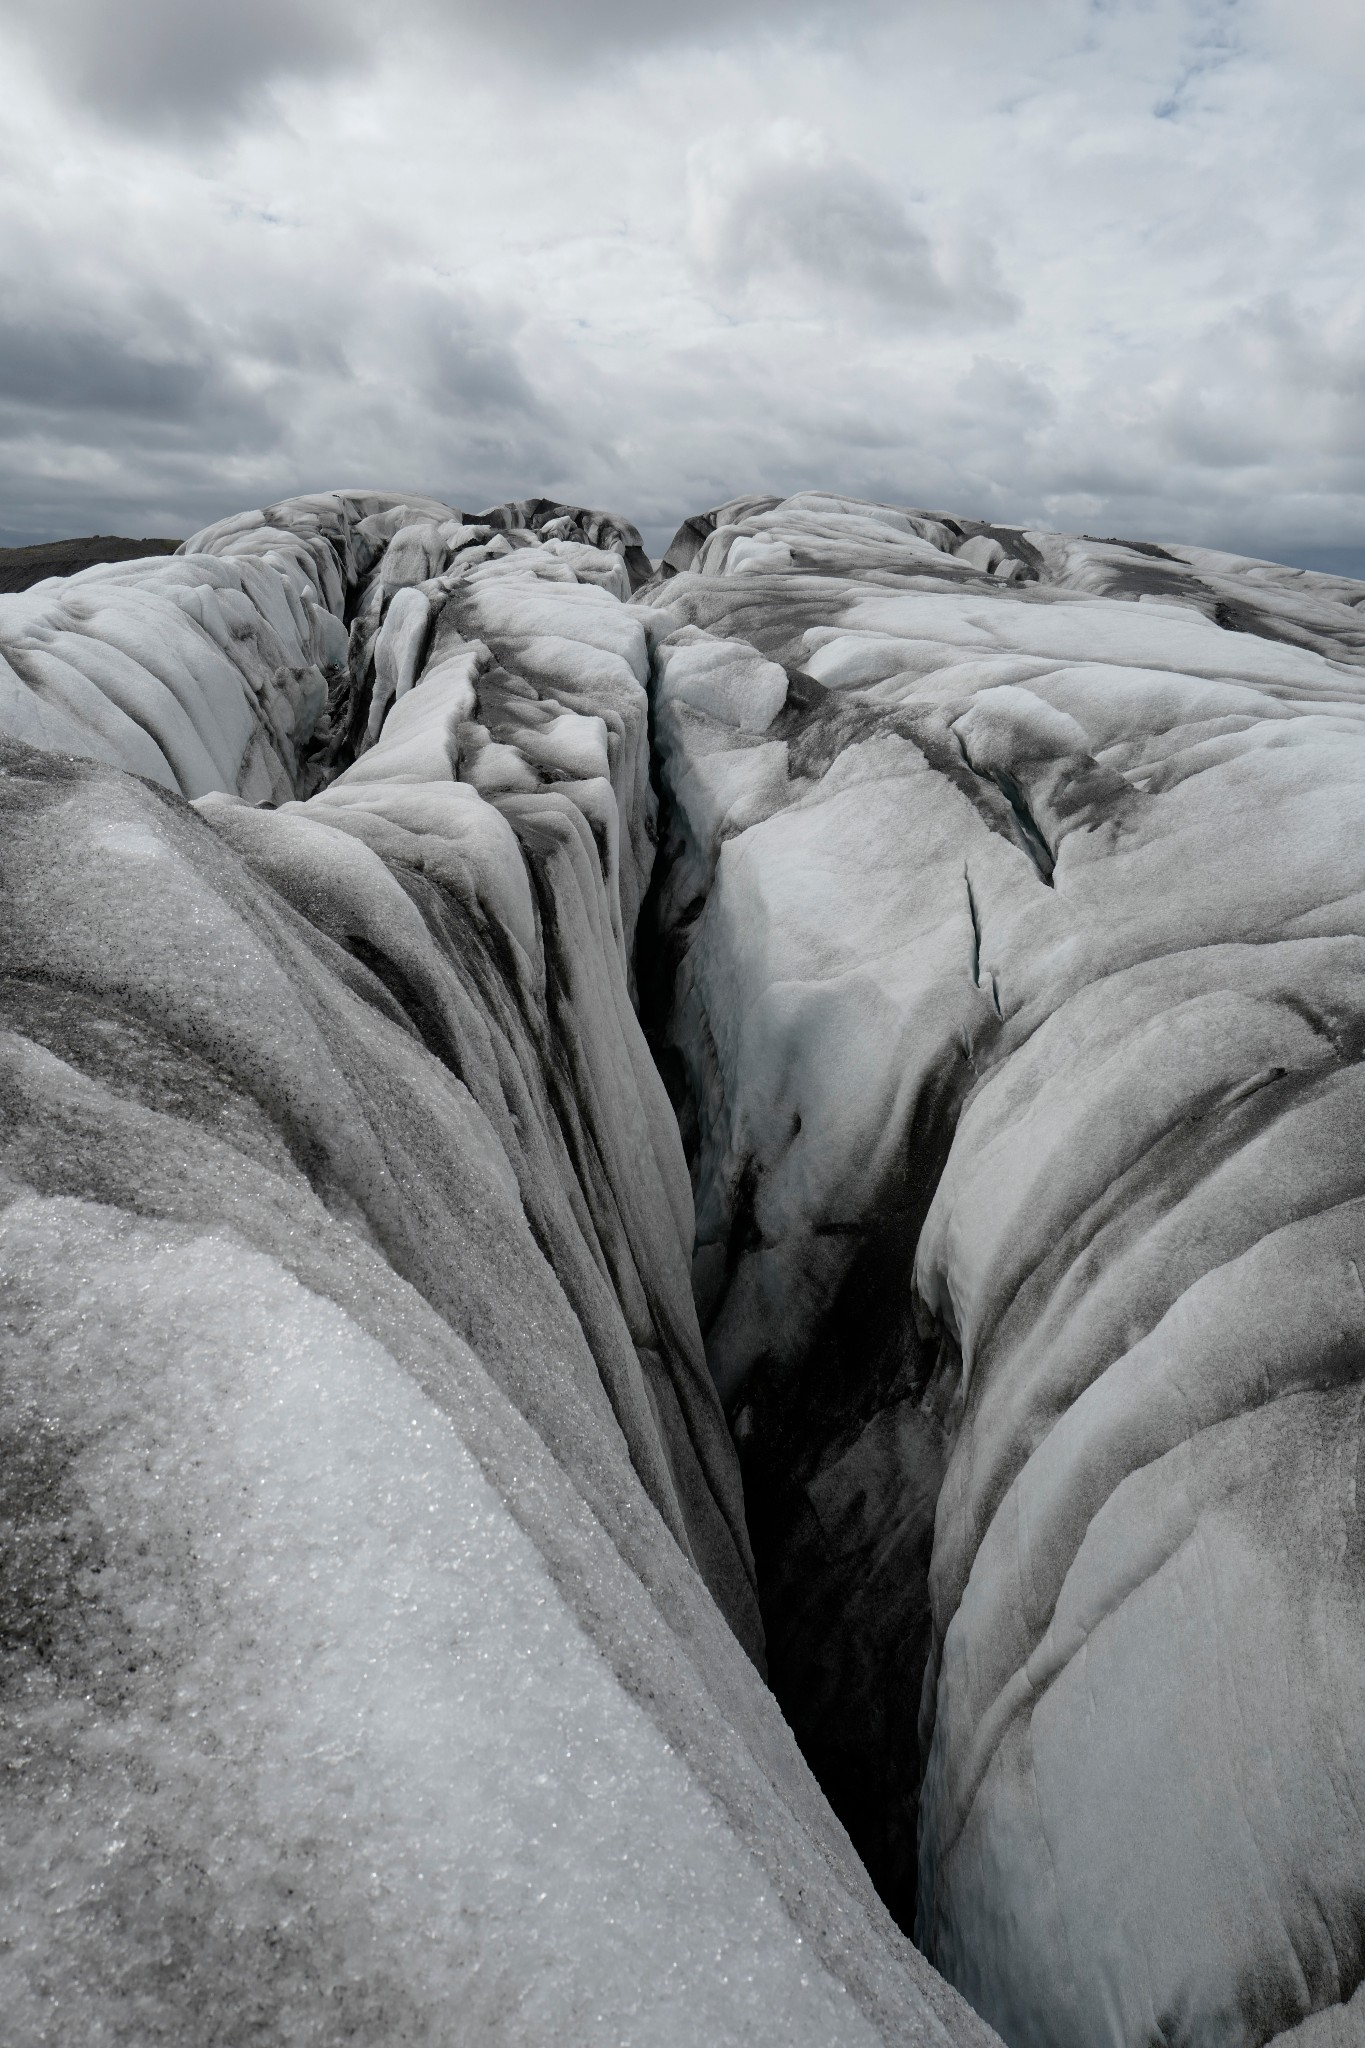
(378, 1636)
(1009, 972)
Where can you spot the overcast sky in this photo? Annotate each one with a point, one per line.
(1095, 264)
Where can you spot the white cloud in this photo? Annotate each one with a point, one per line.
(1330, 33)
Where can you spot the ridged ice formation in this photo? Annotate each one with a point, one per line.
(380, 1632)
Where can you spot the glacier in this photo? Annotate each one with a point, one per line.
(681, 1275)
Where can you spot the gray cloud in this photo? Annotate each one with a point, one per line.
(593, 30)
(793, 207)
(466, 365)
(190, 70)
(182, 67)
(70, 369)
(129, 379)
(130, 410)
(1267, 388)
(997, 389)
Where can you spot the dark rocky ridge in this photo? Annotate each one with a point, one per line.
(20, 568)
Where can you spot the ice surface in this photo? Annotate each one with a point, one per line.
(345, 1763)
(382, 1640)
(725, 679)
(381, 1644)
(202, 674)
(1014, 1008)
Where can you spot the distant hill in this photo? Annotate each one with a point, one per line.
(19, 567)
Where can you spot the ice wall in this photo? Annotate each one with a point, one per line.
(1008, 969)
(379, 1636)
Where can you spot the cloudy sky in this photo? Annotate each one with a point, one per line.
(1095, 264)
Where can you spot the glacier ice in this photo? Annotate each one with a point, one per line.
(1009, 985)
(380, 1637)
(576, 1133)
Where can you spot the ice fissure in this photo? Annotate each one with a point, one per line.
(578, 1135)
